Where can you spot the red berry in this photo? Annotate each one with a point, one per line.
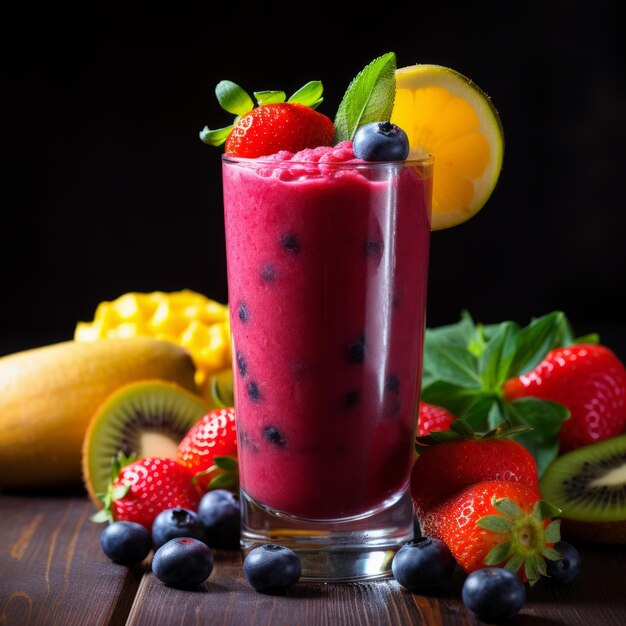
(445, 468)
(590, 381)
(270, 128)
(209, 444)
(432, 419)
(152, 485)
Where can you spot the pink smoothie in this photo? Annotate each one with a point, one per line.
(327, 289)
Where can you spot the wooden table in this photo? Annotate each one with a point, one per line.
(52, 571)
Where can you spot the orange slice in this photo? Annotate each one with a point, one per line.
(446, 115)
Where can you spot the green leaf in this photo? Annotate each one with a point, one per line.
(543, 416)
(551, 554)
(454, 398)
(590, 338)
(120, 492)
(507, 507)
(309, 94)
(498, 355)
(499, 553)
(455, 366)
(233, 98)
(228, 463)
(495, 523)
(534, 568)
(215, 137)
(223, 481)
(544, 451)
(369, 97)
(514, 563)
(269, 97)
(553, 531)
(477, 414)
(462, 428)
(544, 510)
(101, 516)
(498, 413)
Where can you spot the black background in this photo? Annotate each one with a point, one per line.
(107, 189)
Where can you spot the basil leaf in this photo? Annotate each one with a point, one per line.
(477, 415)
(498, 355)
(233, 98)
(369, 97)
(542, 416)
(544, 450)
(461, 334)
(454, 398)
(455, 366)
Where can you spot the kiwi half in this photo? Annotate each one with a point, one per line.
(148, 418)
(589, 485)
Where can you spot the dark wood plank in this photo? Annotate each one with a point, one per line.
(52, 570)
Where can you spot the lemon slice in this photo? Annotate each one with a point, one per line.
(446, 115)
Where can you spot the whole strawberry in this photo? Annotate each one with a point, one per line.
(274, 124)
(497, 523)
(590, 381)
(209, 451)
(140, 490)
(433, 418)
(447, 466)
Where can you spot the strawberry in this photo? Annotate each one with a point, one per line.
(140, 490)
(273, 127)
(274, 124)
(452, 464)
(433, 418)
(209, 451)
(590, 381)
(497, 523)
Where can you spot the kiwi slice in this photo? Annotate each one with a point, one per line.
(589, 485)
(148, 418)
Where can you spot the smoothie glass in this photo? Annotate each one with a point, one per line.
(327, 275)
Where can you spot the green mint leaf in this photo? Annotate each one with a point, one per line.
(233, 98)
(499, 353)
(369, 97)
(455, 366)
(269, 97)
(215, 137)
(499, 553)
(543, 416)
(228, 463)
(553, 532)
(496, 524)
(310, 94)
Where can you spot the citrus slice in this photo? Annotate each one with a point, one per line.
(446, 115)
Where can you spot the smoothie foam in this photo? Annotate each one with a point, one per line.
(316, 260)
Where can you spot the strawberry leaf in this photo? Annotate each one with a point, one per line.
(553, 531)
(499, 553)
(369, 97)
(223, 481)
(233, 98)
(103, 515)
(507, 507)
(544, 510)
(120, 492)
(534, 568)
(551, 554)
(215, 137)
(514, 563)
(269, 97)
(310, 94)
(495, 523)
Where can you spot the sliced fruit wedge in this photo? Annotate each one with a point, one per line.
(446, 115)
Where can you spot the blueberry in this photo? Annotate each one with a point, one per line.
(243, 313)
(355, 350)
(253, 391)
(423, 565)
(183, 562)
(493, 594)
(381, 141)
(268, 273)
(352, 398)
(273, 435)
(290, 243)
(126, 543)
(567, 567)
(272, 569)
(177, 522)
(242, 366)
(219, 513)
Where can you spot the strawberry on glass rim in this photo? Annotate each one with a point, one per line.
(274, 124)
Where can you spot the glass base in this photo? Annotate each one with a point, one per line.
(346, 550)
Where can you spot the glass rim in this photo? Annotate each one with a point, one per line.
(428, 159)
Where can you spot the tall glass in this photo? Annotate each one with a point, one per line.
(327, 275)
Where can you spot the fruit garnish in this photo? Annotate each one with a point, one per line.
(590, 381)
(497, 523)
(459, 458)
(369, 98)
(185, 317)
(381, 141)
(140, 489)
(274, 124)
(446, 115)
(467, 364)
(589, 485)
